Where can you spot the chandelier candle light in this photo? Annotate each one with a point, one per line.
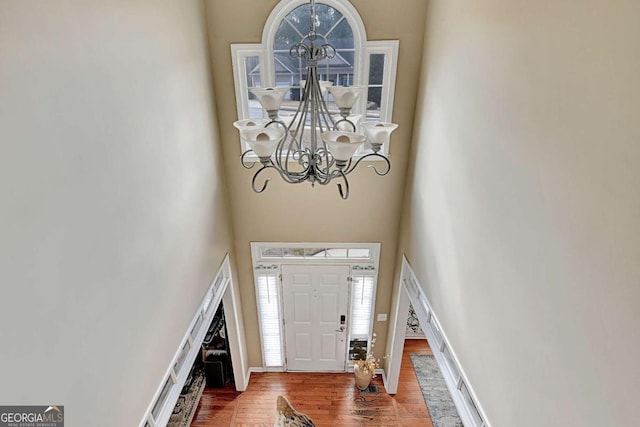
(312, 144)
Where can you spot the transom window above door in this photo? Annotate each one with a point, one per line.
(358, 62)
(315, 253)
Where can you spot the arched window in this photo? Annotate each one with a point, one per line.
(333, 28)
(357, 61)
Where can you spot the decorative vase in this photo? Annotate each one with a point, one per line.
(363, 378)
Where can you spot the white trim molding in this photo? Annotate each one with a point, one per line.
(239, 53)
(173, 380)
(461, 391)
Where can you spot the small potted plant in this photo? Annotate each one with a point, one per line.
(364, 368)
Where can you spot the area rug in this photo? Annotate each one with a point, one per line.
(434, 390)
(187, 403)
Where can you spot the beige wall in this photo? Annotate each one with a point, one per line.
(522, 216)
(113, 218)
(298, 212)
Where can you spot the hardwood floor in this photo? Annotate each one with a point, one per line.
(330, 400)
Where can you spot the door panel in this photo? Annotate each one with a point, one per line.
(314, 299)
(303, 346)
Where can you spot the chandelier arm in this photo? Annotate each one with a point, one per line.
(300, 50)
(255, 177)
(330, 124)
(296, 138)
(313, 94)
(351, 168)
(324, 121)
(246, 165)
(344, 194)
(294, 151)
(285, 177)
(281, 142)
(347, 121)
(291, 178)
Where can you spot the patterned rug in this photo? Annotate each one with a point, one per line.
(187, 403)
(434, 390)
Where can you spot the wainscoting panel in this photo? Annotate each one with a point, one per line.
(463, 396)
(165, 398)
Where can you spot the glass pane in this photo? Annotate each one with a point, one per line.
(252, 69)
(287, 69)
(348, 55)
(289, 32)
(374, 94)
(337, 253)
(341, 37)
(255, 109)
(315, 252)
(376, 68)
(293, 252)
(374, 97)
(271, 253)
(326, 19)
(359, 253)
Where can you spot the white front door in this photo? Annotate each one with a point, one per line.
(315, 299)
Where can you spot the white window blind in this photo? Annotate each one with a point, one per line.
(362, 288)
(270, 319)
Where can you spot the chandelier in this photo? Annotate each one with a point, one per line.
(317, 142)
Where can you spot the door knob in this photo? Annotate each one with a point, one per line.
(341, 329)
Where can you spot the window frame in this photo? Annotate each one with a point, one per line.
(363, 51)
(239, 52)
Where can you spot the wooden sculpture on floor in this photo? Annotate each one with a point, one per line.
(289, 417)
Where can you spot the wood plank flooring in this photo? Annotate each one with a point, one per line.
(330, 400)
